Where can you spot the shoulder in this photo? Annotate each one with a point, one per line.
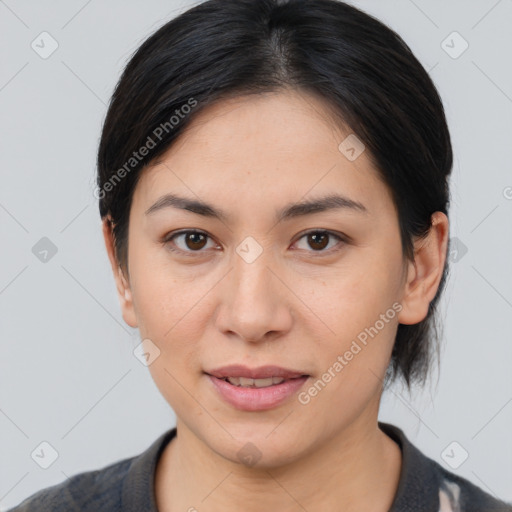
(123, 485)
(425, 485)
(459, 494)
(92, 490)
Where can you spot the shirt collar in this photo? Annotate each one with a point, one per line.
(138, 492)
(417, 487)
(418, 484)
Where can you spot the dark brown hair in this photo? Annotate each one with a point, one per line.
(361, 67)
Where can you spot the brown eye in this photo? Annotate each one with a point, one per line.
(187, 242)
(318, 240)
(195, 240)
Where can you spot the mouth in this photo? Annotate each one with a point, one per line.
(262, 376)
(245, 382)
(256, 389)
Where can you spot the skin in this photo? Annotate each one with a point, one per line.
(294, 306)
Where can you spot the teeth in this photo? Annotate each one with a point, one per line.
(254, 383)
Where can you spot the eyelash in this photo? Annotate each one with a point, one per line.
(341, 238)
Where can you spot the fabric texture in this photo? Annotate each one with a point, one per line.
(128, 485)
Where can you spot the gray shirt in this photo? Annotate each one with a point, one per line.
(128, 485)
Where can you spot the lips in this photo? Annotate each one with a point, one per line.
(263, 372)
(256, 389)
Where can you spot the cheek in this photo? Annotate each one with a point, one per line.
(351, 363)
(361, 310)
(354, 299)
(166, 305)
(173, 320)
(178, 365)
(172, 314)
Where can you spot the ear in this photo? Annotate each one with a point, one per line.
(425, 273)
(122, 284)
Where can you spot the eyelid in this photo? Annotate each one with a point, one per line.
(343, 239)
(167, 239)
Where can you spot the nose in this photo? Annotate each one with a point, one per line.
(256, 305)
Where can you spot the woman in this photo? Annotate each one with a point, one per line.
(273, 184)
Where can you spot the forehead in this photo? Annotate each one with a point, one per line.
(261, 148)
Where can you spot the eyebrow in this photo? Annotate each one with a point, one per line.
(293, 210)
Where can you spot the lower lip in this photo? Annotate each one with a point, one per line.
(257, 399)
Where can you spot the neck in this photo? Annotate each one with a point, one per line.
(357, 469)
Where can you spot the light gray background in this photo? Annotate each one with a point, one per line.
(67, 372)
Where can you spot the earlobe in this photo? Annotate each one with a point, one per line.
(425, 273)
(124, 292)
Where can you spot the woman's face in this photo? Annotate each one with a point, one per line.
(254, 289)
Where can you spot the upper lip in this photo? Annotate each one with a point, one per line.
(261, 372)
